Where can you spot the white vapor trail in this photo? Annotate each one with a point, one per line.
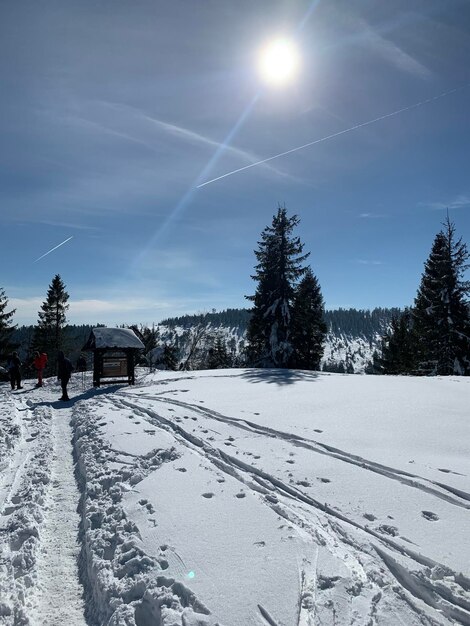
(341, 132)
(52, 249)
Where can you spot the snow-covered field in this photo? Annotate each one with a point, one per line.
(236, 497)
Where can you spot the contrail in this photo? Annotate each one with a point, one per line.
(52, 249)
(341, 132)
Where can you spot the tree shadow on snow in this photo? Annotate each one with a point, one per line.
(279, 377)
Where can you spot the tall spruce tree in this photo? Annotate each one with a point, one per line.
(49, 335)
(398, 347)
(280, 257)
(441, 315)
(218, 356)
(6, 329)
(308, 326)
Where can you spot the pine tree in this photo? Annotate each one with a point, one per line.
(399, 346)
(218, 357)
(279, 267)
(6, 329)
(308, 326)
(441, 315)
(49, 335)
(169, 358)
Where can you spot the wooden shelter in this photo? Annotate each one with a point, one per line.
(114, 355)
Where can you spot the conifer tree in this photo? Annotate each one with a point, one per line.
(441, 315)
(218, 357)
(49, 336)
(6, 329)
(399, 347)
(279, 267)
(169, 358)
(308, 326)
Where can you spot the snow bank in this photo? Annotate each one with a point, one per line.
(23, 486)
(124, 584)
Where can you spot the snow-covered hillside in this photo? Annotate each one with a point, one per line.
(351, 353)
(236, 497)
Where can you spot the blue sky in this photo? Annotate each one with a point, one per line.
(112, 112)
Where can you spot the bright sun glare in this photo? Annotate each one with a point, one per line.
(279, 61)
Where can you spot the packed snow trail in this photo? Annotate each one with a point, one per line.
(60, 599)
(39, 523)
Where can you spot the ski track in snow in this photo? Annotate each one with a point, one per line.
(448, 602)
(406, 478)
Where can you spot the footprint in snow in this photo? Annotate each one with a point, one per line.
(327, 582)
(290, 461)
(147, 505)
(387, 529)
(208, 494)
(369, 516)
(430, 516)
(317, 430)
(181, 469)
(260, 544)
(324, 480)
(448, 471)
(240, 495)
(194, 418)
(303, 483)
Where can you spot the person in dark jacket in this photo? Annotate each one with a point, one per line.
(14, 368)
(64, 371)
(39, 362)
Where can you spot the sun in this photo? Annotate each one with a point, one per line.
(279, 61)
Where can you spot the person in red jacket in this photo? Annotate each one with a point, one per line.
(39, 363)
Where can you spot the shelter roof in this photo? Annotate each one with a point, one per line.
(122, 338)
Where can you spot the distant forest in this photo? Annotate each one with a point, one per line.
(349, 322)
(353, 322)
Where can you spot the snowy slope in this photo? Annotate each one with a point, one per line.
(239, 498)
(353, 351)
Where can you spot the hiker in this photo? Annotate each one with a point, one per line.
(39, 363)
(14, 368)
(64, 371)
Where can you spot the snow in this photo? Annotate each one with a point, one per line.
(113, 338)
(238, 498)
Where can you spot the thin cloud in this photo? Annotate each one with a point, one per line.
(372, 215)
(368, 262)
(67, 225)
(393, 54)
(186, 134)
(460, 202)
